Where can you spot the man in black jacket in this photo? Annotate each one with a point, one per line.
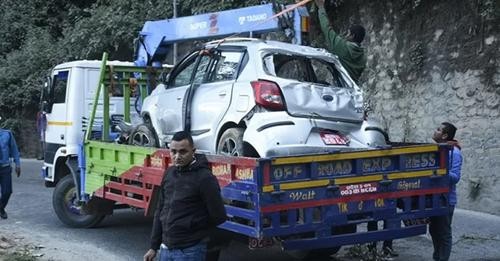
(189, 206)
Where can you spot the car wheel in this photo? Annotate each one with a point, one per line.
(231, 142)
(143, 135)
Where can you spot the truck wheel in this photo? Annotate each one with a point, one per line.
(68, 209)
(143, 135)
(231, 142)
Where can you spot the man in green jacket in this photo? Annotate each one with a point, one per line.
(348, 49)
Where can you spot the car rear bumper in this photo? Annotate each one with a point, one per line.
(279, 134)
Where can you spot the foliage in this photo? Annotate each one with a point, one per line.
(193, 7)
(44, 33)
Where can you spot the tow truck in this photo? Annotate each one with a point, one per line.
(313, 203)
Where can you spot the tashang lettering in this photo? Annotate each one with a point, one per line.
(223, 173)
(221, 169)
(244, 174)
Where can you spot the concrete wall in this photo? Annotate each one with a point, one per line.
(434, 61)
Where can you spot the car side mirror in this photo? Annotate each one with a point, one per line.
(164, 78)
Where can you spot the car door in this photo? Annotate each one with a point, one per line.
(170, 103)
(167, 105)
(57, 118)
(212, 97)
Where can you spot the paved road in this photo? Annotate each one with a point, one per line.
(125, 235)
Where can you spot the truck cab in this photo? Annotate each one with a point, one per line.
(67, 100)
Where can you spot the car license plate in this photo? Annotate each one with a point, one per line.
(256, 243)
(334, 138)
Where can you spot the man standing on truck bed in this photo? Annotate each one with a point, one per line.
(353, 58)
(189, 206)
(440, 226)
(348, 49)
(8, 150)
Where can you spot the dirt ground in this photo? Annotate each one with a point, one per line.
(26, 246)
(16, 248)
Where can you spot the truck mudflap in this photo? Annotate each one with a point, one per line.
(302, 202)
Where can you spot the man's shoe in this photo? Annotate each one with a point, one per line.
(3, 214)
(389, 252)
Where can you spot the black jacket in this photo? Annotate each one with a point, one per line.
(189, 206)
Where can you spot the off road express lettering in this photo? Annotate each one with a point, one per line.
(417, 161)
(377, 165)
(287, 173)
(343, 167)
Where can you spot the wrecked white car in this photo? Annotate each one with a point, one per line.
(249, 97)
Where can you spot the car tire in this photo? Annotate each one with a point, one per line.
(143, 135)
(231, 142)
(68, 210)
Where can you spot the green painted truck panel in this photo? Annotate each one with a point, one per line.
(104, 160)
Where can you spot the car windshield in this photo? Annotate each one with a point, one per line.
(303, 69)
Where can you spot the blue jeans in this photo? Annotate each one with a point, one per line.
(193, 253)
(440, 230)
(5, 185)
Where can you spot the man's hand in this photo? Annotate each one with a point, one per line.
(320, 3)
(150, 255)
(18, 171)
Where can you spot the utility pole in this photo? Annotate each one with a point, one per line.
(175, 44)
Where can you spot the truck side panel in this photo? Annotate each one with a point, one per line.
(315, 199)
(302, 200)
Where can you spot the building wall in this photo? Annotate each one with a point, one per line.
(434, 61)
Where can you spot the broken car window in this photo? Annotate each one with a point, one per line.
(184, 77)
(303, 69)
(226, 66)
(202, 69)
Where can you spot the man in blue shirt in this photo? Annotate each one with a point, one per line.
(8, 150)
(440, 226)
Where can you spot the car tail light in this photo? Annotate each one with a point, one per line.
(268, 95)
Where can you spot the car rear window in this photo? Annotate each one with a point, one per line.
(303, 69)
